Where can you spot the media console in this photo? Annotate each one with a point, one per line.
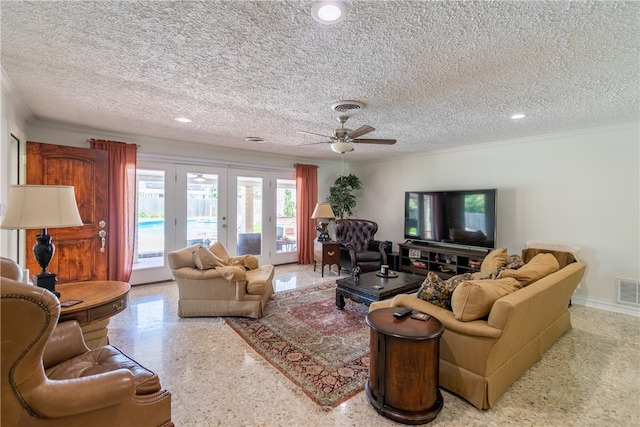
(445, 260)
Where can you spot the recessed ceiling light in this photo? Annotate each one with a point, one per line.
(183, 120)
(517, 116)
(255, 139)
(329, 12)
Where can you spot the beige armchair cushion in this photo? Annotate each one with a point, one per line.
(220, 251)
(232, 272)
(204, 259)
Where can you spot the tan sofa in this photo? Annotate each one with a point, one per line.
(480, 359)
(220, 286)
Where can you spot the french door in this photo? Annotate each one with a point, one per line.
(250, 212)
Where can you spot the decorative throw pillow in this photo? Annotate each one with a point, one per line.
(437, 291)
(540, 266)
(473, 299)
(496, 259)
(220, 251)
(514, 262)
(205, 260)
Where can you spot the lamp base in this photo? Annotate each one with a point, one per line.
(324, 232)
(323, 237)
(48, 281)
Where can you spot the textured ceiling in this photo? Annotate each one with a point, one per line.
(432, 75)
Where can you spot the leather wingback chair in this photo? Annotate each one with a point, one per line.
(10, 269)
(358, 247)
(50, 377)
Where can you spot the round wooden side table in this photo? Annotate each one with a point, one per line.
(100, 300)
(404, 366)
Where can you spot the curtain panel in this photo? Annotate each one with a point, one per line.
(122, 159)
(307, 196)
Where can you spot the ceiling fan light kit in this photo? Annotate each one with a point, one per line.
(342, 147)
(342, 139)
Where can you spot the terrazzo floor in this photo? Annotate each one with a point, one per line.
(590, 377)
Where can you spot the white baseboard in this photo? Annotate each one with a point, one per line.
(616, 308)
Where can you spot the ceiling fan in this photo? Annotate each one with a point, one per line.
(343, 139)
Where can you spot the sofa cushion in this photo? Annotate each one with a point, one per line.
(496, 259)
(473, 299)
(540, 266)
(564, 258)
(220, 251)
(203, 259)
(437, 291)
(366, 256)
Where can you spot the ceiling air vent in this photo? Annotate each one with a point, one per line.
(347, 106)
(628, 291)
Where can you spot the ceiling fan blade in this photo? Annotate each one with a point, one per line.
(313, 143)
(374, 141)
(314, 134)
(362, 130)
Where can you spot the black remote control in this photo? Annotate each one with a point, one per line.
(399, 314)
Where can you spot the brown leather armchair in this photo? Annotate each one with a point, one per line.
(50, 377)
(10, 269)
(358, 247)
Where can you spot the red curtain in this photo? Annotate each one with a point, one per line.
(122, 206)
(306, 198)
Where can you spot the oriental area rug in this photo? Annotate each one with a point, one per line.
(323, 350)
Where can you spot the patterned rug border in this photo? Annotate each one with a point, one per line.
(280, 296)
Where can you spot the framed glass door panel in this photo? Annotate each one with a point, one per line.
(265, 216)
(202, 192)
(249, 214)
(286, 221)
(154, 226)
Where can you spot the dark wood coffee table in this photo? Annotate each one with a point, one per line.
(366, 289)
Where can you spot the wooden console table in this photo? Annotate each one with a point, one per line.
(404, 367)
(100, 300)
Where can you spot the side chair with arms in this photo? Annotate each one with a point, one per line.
(358, 247)
(50, 377)
(10, 269)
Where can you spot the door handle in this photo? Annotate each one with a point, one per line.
(102, 235)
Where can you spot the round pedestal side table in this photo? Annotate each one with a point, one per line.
(404, 366)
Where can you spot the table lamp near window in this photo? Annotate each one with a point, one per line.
(42, 207)
(323, 212)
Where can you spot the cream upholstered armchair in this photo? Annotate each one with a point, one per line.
(50, 377)
(212, 283)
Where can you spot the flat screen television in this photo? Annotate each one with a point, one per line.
(463, 217)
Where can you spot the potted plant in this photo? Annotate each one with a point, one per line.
(341, 196)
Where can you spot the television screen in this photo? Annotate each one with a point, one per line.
(465, 217)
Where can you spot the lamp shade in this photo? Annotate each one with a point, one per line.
(41, 206)
(323, 210)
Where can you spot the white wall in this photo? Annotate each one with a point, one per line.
(579, 187)
(13, 115)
